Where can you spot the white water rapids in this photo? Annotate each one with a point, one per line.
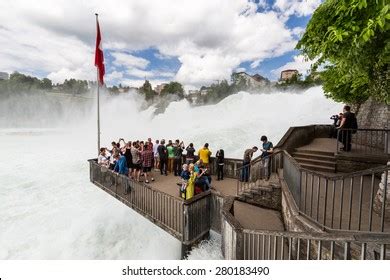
(50, 210)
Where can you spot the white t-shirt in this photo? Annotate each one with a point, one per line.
(155, 152)
(102, 159)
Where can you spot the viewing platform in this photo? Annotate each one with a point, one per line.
(319, 203)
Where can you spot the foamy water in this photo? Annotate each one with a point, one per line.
(50, 210)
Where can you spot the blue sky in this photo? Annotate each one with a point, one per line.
(193, 42)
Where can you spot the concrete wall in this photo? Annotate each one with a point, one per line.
(347, 163)
(298, 136)
(216, 202)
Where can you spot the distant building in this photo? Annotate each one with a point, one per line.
(193, 96)
(251, 81)
(4, 76)
(286, 75)
(204, 91)
(158, 89)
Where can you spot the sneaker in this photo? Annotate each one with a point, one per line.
(147, 182)
(152, 179)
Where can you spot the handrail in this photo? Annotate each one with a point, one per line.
(186, 220)
(336, 177)
(366, 129)
(340, 236)
(274, 244)
(364, 140)
(259, 158)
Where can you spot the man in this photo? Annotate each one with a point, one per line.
(163, 154)
(147, 161)
(103, 158)
(150, 143)
(204, 155)
(248, 154)
(267, 150)
(178, 152)
(121, 165)
(190, 156)
(348, 123)
(155, 153)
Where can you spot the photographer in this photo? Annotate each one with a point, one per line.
(336, 123)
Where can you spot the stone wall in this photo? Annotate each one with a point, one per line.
(372, 114)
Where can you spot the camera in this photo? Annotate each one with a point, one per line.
(334, 117)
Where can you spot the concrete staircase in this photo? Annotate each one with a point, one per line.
(316, 160)
(263, 193)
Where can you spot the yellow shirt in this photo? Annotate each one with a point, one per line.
(190, 190)
(204, 155)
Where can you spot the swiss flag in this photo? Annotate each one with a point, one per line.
(99, 58)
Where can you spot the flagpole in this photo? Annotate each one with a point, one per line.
(98, 102)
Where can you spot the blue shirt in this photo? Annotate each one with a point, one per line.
(266, 146)
(121, 166)
(185, 174)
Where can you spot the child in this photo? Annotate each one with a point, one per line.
(185, 176)
(220, 156)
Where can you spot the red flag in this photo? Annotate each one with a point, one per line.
(99, 58)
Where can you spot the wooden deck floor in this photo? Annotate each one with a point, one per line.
(167, 184)
(249, 216)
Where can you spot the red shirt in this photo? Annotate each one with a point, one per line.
(147, 158)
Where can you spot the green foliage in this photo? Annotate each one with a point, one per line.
(75, 86)
(173, 88)
(18, 83)
(352, 37)
(147, 90)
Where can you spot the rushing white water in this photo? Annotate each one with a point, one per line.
(50, 210)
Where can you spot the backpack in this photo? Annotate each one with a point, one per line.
(354, 124)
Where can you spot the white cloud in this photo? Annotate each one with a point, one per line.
(299, 63)
(296, 7)
(128, 60)
(209, 38)
(114, 76)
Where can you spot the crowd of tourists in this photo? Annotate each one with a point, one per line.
(137, 160)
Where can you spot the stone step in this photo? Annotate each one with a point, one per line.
(313, 156)
(324, 163)
(318, 168)
(314, 152)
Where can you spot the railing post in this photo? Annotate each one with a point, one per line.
(386, 142)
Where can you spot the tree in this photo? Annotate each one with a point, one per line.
(147, 90)
(75, 86)
(46, 84)
(352, 38)
(173, 88)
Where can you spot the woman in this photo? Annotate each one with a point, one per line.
(220, 156)
(190, 153)
(191, 182)
(128, 156)
(171, 156)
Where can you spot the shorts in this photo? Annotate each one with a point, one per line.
(147, 169)
(137, 166)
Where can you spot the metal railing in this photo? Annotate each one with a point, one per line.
(249, 244)
(257, 171)
(341, 202)
(181, 218)
(363, 141)
(270, 245)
